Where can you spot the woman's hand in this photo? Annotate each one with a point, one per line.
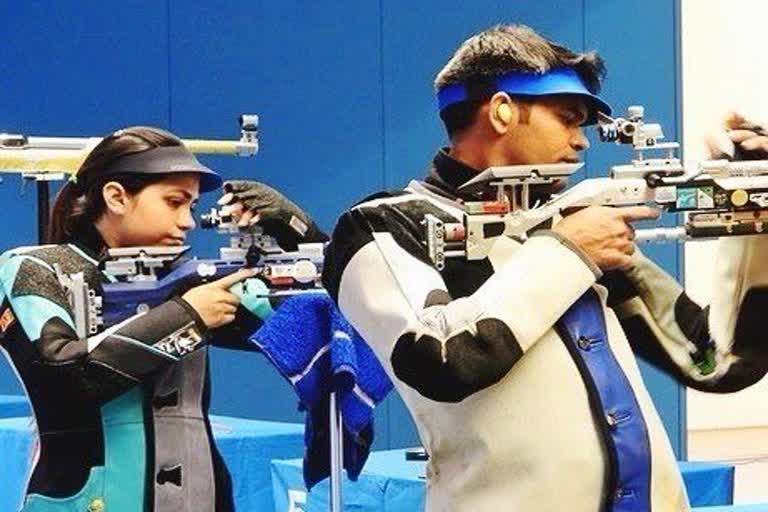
(214, 302)
(256, 203)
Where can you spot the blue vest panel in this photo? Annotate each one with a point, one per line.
(619, 414)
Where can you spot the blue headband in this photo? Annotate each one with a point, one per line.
(556, 81)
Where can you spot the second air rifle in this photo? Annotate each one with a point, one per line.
(718, 198)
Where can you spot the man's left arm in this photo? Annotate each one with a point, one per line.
(718, 348)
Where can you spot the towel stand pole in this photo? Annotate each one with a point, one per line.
(337, 454)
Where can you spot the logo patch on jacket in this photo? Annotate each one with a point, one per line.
(6, 319)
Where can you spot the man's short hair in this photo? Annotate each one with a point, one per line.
(503, 49)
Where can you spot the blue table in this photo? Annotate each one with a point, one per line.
(12, 406)
(16, 448)
(390, 483)
(708, 483)
(247, 446)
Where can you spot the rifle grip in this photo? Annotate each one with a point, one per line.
(254, 296)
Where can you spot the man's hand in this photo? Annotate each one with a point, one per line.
(214, 302)
(257, 203)
(605, 234)
(742, 139)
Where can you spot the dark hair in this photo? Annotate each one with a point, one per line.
(75, 207)
(502, 49)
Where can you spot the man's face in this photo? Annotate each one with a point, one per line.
(549, 131)
(161, 213)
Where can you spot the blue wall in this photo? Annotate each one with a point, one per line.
(343, 90)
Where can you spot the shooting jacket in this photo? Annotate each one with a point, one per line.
(519, 370)
(121, 415)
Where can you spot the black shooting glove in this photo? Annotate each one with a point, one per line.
(277, 215)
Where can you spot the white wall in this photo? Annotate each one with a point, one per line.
(724, 67)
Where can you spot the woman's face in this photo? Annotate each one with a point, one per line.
(160, 214)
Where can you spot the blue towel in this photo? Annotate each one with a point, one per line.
(313, 346)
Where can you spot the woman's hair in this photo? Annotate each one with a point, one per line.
(76, 207)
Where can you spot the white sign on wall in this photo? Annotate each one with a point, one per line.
(724, 68)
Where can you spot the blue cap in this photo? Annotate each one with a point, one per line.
(160, 160)
(556, 81)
